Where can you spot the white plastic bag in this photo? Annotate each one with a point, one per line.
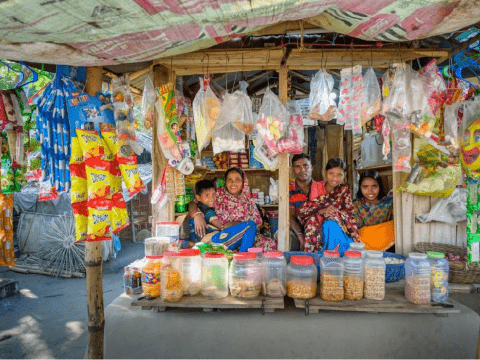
(241, 110)
(450, 210)
(273, 119)
(402, 147)
(225, 136)
(292, 142)
(373, 97)
(352, 100)
(273, 190)
(148, 102)
(451, 126)
(202, 129)
(322, 106)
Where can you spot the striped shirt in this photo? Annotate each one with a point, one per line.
(297, 196)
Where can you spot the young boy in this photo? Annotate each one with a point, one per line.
(242, 234)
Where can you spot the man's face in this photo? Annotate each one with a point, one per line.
(302, 169)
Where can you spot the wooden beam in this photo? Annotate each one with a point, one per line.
(134, 90)
(93, 261)
(299, 75)
(138, 73)
(283, 27)
(283, 177)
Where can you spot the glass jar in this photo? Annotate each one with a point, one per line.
(331, 276)
(151, 277)
(374, 270)
(245, 276)
(301, 277)
(191, 271)
(438, 276)
(417, 279)
(214, 276)
(171, 277)
(353, 275)
(358, 246)
(274, 268)
(156, 245)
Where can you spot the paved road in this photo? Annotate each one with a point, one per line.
(48, 319)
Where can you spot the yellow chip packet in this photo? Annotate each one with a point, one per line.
(76, 156)
(132, 179)
(78, 190)
(91, 143)
(99, 221)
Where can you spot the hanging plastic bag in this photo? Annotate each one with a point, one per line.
(226, 137)
(434, 86)
(402, 95)
(451, 127)
(402, 147)
(352, 100)
(213, 106)
(47, 190)
(242, 110)
(322, 106)
(434, 174)
(202, 128)
(160, 195)
(262, 154)
(373, 96)
(273, 191)
(272, 121)
(386, 148)
(148, 102)
(292, 142)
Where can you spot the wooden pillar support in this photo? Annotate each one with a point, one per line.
(284, 177)
(161, 76)
(93, 261)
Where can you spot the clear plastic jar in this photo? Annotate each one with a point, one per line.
(191, 271)
(151, 277)
(274, 268)
(214, 276)
(171, 277)
(331, 276)
(438, 276)
(358, 246)
(156, 245)
(245, 276)
(132, 281)
(353, 275)
(258, 253)
(301, 277)
(374, 276)
(417, 279)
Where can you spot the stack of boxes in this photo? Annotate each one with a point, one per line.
(239, 159)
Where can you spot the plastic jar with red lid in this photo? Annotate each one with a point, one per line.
(191, 271)
(301, 277)
(171, 277)
(353, 279)
(214, 276)
(331, 276)
(151, 277)
(274, 269)
(245, 276)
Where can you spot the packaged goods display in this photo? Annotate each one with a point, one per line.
(353, 277)
(245, 276)
(151, 277)
(331, 276)
(274, 268)
(417, 279)
(156, 245)
(301, 277)
(191, 271)
(171, 277)
(132, 281)
(214, 276)
(438, 276)
(374, 276)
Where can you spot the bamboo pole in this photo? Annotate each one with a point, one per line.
(93, 261)
(283, 176)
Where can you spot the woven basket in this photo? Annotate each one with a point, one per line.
(457, 272)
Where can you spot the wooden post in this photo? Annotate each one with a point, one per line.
(93, 261)
(283, 176)
(161, 76)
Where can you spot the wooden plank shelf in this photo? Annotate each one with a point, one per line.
(394, 302)
(265, 304)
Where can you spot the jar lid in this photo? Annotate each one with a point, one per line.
(170, 253)
(273, 254)
(436, 255)
(189, 252)
(374, 254)
(213, 256)
(353, 254)
(417, 256)
(255, 250)
(154, 256)
(158, 239)
(331, 253)
(301, 260)
(357, 246)
(244, 256)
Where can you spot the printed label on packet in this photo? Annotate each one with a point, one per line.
(76, 156)
(98, 178)
(132, 179)
(99, 220)
(91, 143)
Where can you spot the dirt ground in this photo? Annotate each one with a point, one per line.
(48, 318)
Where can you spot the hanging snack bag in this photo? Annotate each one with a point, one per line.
(132, 179)
(76, 156)
(7, 175)
(212, 106)
(120, 218)
(244, 120)
(352, 101)
(80, 214)
(401, 152)
(148, 102)
(90, 143)
(99, 220)
(272, 121)
(202, 128)
(47, 190)
(292, 142)
(115, 177)
(373, 96)
(226, 136)
(451, 127)
(98, 178)
(322, 106)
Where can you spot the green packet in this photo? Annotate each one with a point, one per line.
(473, 246)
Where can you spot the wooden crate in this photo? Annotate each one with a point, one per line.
(394, 302)
(264, 304)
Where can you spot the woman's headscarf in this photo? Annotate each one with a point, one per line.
(236, 208)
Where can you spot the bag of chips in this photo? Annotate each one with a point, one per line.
(99, 220)
(120, 148)
(80, 214)
(120, 218)
(115, 177)
(132, 179)
(76, 156)
(98, 178)
(90, 143)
